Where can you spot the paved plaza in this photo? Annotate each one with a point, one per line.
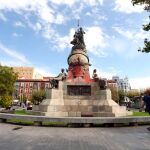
(58, 138)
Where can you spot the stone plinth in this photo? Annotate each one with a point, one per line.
(98, 104)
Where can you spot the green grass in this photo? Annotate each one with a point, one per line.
(23, 122)
(21, 112)
(54, 124)
(136, 113)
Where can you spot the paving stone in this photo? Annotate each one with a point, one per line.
(73, 138)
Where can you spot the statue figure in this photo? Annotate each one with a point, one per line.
(62, 76)
(78, 39)
(80, 35)
(95, 75)
(102, 82)
(75, 40)
(55, 81)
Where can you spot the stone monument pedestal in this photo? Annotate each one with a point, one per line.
(89, 101)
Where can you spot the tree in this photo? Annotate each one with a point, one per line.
(121, 94)
(22, 98)
(38, 97)
(7, 80)
(131, 94)
(114, 94)
(146, 3)
(5, 101)
(146, 27)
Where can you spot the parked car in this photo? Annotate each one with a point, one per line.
(29, 106)
(15, 102)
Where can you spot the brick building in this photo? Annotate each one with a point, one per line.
(27, 73)
(27, 86)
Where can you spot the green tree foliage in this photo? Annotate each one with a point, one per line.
(7, 80)
(131, 94)
(22, 98)
(121, 94)
(114, 94)
(38, 97)
(146, 27)
(5, 101)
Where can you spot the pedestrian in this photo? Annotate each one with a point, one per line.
(146, 103)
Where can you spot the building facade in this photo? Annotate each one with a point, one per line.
(112, 84)
(123, 84)
(27, 86)
(27, 73)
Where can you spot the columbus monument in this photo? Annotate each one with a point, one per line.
(75, 93)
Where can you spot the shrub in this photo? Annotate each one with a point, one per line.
(38, 97)
(5, 101)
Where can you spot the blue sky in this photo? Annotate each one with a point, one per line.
(37, 33)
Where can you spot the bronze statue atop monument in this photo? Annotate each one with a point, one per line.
(78, 39)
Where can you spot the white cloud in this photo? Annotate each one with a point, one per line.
(47, 10)
(94, 46)
(127, 34)
(66, 2)
(72, 2)
(126, 6)
(139, 83)
(59, 19)
(16, 34)
(44, 71)
(40, 8)
(93, 2)
(111, 71)
(99, 42)
(62, 42)
(14, 54)
(36, 27)
(102, 73)
(19, 24)
(48, 32)
(133, 35)
(2, 17)
(48, 14)
(11, 62)
(118, 45)
(129, 41)
(127, 48)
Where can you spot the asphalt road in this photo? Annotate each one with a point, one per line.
(14, 137)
